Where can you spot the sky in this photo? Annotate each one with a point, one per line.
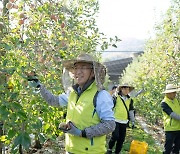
(130, 18)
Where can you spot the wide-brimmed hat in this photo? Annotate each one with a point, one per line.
(84, 57)
(99, 69)
(126, 85)
(170, 88)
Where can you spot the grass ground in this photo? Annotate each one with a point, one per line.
(139, 134)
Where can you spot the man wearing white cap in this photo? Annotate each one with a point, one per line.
(171, 117)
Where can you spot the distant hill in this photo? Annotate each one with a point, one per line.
(124, 49)
(129, 44)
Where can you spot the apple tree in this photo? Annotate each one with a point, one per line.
(35, 37)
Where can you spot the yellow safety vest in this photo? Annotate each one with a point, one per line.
(120, 112)
(171, 124)
(80, 113)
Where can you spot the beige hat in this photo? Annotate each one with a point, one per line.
(99, 69)
(69, 64)
(170, 88)
(126, 85)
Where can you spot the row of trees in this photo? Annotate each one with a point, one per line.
(159, 65)
(35, 37)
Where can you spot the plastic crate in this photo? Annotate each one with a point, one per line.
(138, 147)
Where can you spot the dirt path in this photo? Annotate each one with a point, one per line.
(154, 130)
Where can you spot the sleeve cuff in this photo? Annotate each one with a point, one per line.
(83, 133)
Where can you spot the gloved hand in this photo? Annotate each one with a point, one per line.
(34, 81)
(64, 127)
(73, 129)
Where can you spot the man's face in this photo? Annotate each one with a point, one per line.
(125, 90)
(83, 72)
(114, 90)
(171, 95)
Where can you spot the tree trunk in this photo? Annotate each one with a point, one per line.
(20, 149)
(1, 133)
(37, 144)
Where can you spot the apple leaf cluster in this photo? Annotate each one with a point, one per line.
(35, 37)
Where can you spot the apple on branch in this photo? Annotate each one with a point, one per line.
(9, 5)
(63, 25)
(22, 15)
(12, 1)
(54, 17)
(21, 21)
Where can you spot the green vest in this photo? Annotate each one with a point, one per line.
(80, 113)
(171, 124)
(120, 112)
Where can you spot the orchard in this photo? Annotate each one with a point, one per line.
(37, 35)
(158, 66)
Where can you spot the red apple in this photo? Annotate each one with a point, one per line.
(9, 5)
(44, 31)
(21, 21)
(63, 25)
(12, 1)
(54, 17)
(22, 15)
(15, 6)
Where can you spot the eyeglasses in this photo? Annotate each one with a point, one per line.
(82, 68)
(124, 87)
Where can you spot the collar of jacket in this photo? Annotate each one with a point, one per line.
(76, 86)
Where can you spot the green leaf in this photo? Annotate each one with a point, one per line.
(5, 62)
(13, 95)
(46, 126)
(38, 124)
(11, 133)
(17, 106)
(26, 140)
(18, 140)
(4, 112)
(22, 114)
(102, 47)
(23, 139)
(41, 138)
(114, 45)
(11, 70)
(7, 47)
(117, 39)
